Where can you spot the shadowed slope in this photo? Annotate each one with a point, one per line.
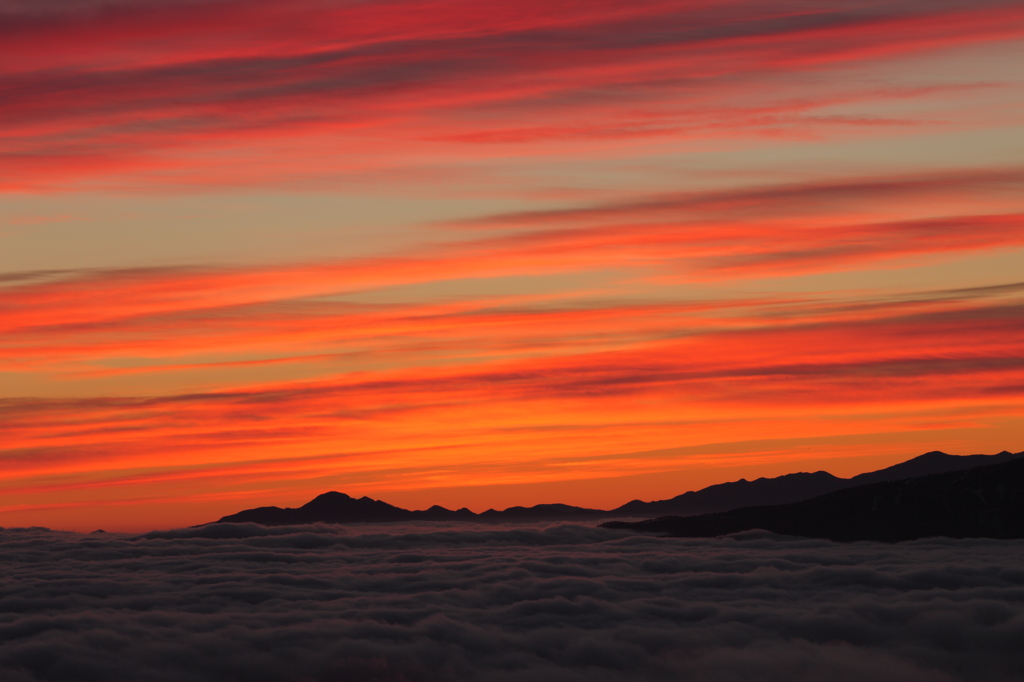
(335, 507)
(802, 486)
(986, 501)
(934, 462)
(741, 493)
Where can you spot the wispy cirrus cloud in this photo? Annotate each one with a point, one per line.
(485, 388)
(783, 229)
(650, 197)
(759, 232)
(100, 90)
(289, 373)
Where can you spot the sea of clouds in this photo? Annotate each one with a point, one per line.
(553, 602)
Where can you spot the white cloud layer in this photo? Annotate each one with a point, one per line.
(560, 603)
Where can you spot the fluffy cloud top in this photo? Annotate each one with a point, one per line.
(560, 602)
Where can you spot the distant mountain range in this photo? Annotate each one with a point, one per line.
(335, 507)
(985, 501)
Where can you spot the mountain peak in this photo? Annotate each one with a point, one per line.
(336, 507)
(335, 495)
(981, 501)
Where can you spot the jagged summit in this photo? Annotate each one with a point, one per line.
(983, 501)
(337, 507)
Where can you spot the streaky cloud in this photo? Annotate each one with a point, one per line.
(154, 86)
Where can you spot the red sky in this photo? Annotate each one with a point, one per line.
(450, 252)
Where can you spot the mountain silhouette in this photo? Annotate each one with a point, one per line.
(985, 501)
(741, 493)
(934, 462)
(335, 507)
(802, 486)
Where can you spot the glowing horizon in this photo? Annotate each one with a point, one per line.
(439, 251)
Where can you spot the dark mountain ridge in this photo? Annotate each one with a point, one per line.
(723, 496)
(985, 501)
(802, 486)
(335, 507)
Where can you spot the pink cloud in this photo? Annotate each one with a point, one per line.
(100, 91)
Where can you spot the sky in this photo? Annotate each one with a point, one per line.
(487, 254)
